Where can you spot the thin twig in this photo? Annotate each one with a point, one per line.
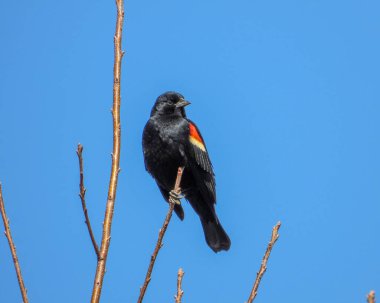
(371, 297)
(82, 194)
(161, 235)
(115, 168)
(12, 247)
(263, 266)
(179, 295)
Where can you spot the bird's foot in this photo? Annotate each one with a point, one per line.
(175, 196)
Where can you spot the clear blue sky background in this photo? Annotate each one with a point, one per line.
(286, 94)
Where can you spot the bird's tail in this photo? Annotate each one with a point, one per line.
(215, 235)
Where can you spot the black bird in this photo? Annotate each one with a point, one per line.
(170, 140)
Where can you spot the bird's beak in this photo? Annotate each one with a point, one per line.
(182, 103)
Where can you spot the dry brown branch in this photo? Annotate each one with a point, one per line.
(179, 295)
(12, 247)
(82, 194)
(161, 235)
(115, 168)
(263, 266)
(371, 297)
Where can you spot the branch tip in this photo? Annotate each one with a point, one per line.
(82, 195)
(263, 267)
(371, 297)
(161, 235)
(180, 292)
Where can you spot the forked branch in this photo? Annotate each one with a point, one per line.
(115, 168)
(161, 235)
(263, 266)
(179, 295)
(12, 247)
(82, 194)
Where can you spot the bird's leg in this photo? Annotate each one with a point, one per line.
(175, 196)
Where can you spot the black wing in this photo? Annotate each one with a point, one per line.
(200, 164)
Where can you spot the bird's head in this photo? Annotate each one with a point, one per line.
(170, 103)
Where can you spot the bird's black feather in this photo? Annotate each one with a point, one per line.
(167, 146)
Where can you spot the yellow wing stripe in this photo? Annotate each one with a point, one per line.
(197, 143)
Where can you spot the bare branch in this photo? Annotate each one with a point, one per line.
(115, 169)
(161, 235)
(263, 266)
(82, 194)
(179, 295)
(371, 297)
(12, 247)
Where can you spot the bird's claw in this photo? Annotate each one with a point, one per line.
(175, 196)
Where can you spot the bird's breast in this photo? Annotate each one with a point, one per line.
(164, 149)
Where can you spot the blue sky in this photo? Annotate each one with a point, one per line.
(286, 94)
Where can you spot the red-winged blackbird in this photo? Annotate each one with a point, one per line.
(170, 140)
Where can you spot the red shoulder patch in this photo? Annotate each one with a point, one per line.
(194, 133)
(195, 137)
